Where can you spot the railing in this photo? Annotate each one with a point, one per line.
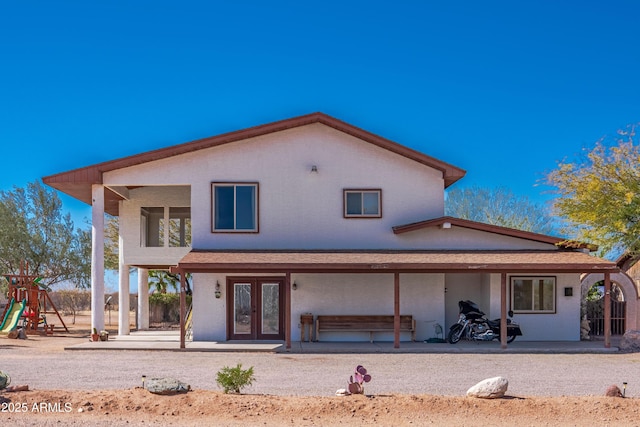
(595, 315)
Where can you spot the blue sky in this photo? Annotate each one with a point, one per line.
(503, 89)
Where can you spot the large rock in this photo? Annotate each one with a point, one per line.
(630, 342)
(613, 391)
(491, 388)
(166, 386)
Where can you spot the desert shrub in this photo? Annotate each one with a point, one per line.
(235, 379)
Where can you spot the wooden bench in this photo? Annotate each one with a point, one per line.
(364, 323)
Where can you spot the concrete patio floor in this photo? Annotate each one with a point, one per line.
(170, 341)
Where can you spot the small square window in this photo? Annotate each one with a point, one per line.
(362, 204)
(234, 207)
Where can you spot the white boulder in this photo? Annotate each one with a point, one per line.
(491, 388)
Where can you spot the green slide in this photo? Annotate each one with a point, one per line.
(13, 316)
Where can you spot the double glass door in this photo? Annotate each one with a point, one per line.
(255, 308)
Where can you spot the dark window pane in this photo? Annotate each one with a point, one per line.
(522, 294)
(224, 207)
(245, 207)
(354, 203)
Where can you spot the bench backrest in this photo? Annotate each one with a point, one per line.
(365, 322)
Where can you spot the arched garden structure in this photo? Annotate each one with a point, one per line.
(629, 291)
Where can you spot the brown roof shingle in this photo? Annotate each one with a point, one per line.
(394, 261)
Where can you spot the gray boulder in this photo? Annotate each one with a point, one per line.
(491, 388)
(166, 386)
(630, 342)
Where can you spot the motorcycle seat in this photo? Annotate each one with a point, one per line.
(495, 323)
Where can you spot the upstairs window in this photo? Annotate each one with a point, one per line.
(533, 294)
(362, 204)
(235, 207)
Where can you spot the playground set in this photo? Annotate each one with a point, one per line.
(30, 303)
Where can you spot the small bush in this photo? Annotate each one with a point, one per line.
(234, 379)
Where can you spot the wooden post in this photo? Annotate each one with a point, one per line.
(183, 307)
(503, 310)
(607, 310)
(287, 311)
(396, 310)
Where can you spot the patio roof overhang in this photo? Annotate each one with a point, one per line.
(368, 261)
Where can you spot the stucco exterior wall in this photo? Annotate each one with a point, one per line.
(462, 286)
(421, 295)
(460, 238)
(209, 313)
(298, 208)
(484, 289)
(563, 325)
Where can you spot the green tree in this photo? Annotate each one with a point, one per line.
(34, 229)
(163, 281)
(498, 206)
(599, 194)
(111, 243)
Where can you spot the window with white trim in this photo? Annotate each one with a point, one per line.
(362, 203)
(533, 294)
(234, 207)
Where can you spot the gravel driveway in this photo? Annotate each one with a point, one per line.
(42, 363)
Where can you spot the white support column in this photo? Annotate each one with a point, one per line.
(143, 299)
(123, 294)
(97, 257)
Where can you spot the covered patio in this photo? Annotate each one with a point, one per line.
(393, 264)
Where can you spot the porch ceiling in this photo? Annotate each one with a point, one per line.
(356, 261)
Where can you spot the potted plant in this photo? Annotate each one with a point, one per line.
(95, 336)
(104, 335)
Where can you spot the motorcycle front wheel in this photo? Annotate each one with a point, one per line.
(455, 333)
(511, 339)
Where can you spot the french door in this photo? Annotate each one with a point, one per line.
(255, 308)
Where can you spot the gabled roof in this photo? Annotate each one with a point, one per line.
(77, 183)
(496, 229)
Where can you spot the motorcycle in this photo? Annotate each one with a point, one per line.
(472, 325)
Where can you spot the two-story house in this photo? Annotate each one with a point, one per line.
(314, 215)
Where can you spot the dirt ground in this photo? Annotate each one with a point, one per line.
(136, 406)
